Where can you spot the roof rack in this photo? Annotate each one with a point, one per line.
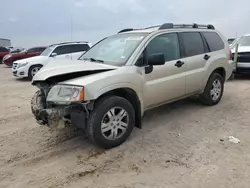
(172, 26)
(69, 42)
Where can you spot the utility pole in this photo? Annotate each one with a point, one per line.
(71, 24)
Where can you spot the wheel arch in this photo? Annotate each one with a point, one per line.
(219, 70)
(132, 97)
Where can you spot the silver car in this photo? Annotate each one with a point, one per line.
(107, 91)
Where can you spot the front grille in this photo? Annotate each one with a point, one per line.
(243, 57)
(14, 65)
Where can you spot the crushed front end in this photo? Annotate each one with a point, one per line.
(57, 114)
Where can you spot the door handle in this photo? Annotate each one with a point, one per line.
(179, 64)
(206, 57)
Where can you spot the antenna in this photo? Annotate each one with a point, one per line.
(71, 25)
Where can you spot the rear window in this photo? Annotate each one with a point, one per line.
(2, 49)
(214, 41)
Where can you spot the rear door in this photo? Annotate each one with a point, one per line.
(194, 50)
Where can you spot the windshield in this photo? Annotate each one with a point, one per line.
(244, 41)
(47, 51)
(114, 50)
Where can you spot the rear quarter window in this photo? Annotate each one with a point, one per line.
(214, 41)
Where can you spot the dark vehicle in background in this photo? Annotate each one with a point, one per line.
(16, 51)
(243, 59)
(3, 52)
(230, 40)
(10, 58)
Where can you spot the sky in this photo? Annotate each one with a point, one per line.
(43, 22)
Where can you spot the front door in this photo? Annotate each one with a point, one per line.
(165, 82)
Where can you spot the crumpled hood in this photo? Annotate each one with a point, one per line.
(241, 49)
(64, 66)
(32, 59)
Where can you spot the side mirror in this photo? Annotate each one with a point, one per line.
(53, 55)
(156, 59)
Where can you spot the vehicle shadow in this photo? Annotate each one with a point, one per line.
(22, 79)
(152, 119)
(242, 77)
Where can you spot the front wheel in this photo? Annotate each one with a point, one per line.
(213, 91)
(111, 122)
(33, 70)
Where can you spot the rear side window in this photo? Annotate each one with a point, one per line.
(192, 43)
(60, 50)
(79, 48)
(2, 49)
(214, 41)
(33, 50)
(40, 50)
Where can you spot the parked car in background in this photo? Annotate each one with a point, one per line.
(10, 58)
(243, 60)
(12, 48)
(30, 66)
(128, 73)
(234, 42)
(16, 51)
(3, 52)
(230, 40)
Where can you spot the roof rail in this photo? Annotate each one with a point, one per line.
(69, 42)
(172, 26)
(194, 25)
(126, 30)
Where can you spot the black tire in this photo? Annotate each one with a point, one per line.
(102, 106)
(30, 77)
(206, 97)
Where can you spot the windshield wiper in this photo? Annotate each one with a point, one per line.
(94, 60)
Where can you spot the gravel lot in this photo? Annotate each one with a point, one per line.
(183, 144)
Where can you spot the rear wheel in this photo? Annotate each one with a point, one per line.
(111, 122)
(33, 70)
(213, 91)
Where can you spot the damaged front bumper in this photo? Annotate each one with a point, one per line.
(59, 116)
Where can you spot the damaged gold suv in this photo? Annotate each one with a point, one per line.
(107, 90)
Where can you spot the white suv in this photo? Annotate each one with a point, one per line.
(128, 73)
(30, 66)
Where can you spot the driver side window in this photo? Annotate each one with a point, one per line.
(167, 44)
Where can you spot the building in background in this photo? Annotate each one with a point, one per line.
(5, 42)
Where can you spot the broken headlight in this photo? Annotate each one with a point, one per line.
(65, 94)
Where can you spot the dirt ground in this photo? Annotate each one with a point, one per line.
(181, 145)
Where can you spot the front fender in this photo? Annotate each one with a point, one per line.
(95, 94)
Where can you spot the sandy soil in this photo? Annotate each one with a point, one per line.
(181, 145)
